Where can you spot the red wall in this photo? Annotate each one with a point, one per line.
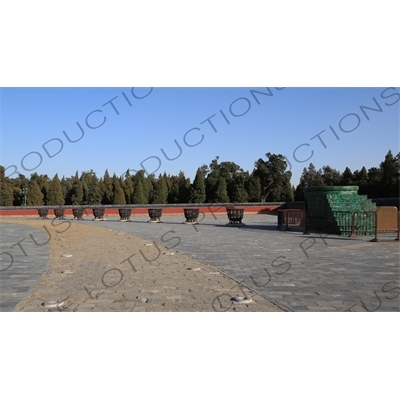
(166, 210)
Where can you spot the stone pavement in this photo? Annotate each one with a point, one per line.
(30, 249)
(94, 268)
(297, 272)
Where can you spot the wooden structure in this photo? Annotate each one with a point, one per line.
(387, 220)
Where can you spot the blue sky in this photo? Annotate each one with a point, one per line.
(135, 129)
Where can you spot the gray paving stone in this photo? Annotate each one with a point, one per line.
(29, 264)
(345, 272)
(300, 273)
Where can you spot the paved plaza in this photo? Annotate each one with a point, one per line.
(29, 262)
(296, 272)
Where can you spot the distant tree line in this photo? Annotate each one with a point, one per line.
(218, 182)
(382, 182)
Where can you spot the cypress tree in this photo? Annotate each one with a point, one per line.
(330, 176)
(198, 189)
(151, 183)
(128, 186)
(309, 177)
(184, 188)
(35, 196)
(173, 192)
(55, 196)
(221, 194)
(107, 189)
(275, 180)
(77, 193)
(118, 193)
(144, 184)
(390, 168)
(66, 187)
(253, 186)
(347, 178)
(361, 180)
(6, 189)
(161, 192)
(138, 196)
(238, 190)
(91, 188)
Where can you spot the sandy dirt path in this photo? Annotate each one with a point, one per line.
(100, 269)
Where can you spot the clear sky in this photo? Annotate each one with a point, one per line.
(123, 127)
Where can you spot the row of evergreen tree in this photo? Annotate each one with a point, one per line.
(376, 182)
(214, 183)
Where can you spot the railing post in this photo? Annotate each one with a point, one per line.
(375, 239)
(280, 219)
(302, 218)
(398, 226)
(353, 227)
(287, 220)
(306, 231)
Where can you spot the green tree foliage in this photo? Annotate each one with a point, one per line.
(221, 193)
(19, 183)
(274, 179)
(361, 180)
(91, 188)
(216, 182)
(77, 193)
(374, 182)
(347, 178)
(184, 188)
(390, 168)
(160, 191)
(43, 181)
(139, 177)
(309, 177)
(6, 189)
(237, 192)
(168, 182)
(330, 176)
(233, 175)
(122, 184)
(179, 189)
(149, 186)
(35, 195)
(198, 189)
(287, 193)
(173, 192)
(107, 189)
(253, 188)
(151, 183)
(55, 196)
(138, 196)
(211, 178)
(128, 187)
(66, 184)
(118, 193)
